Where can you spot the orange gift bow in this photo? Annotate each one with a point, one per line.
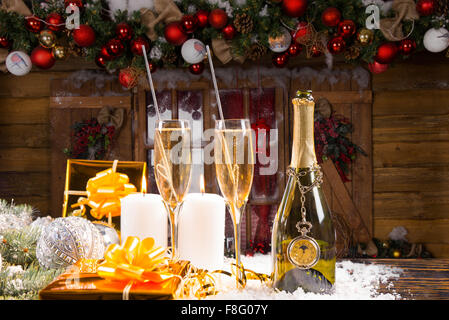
(135, 260)
(104, 192)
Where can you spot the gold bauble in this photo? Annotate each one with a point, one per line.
(59, 52)
(365, 36)
(396, 253)
(47, 38)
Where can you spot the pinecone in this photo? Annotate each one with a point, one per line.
(243, 23)
(442, 7)
(169, 58)
(352, 53)
(256, 51)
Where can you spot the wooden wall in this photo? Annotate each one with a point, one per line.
(411, 152)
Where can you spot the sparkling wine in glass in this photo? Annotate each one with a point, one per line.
(172, 168)
(234, 165)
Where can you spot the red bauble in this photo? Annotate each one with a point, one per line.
(376, 67)
(189, 23)
(33, 24)
(105, 54)
(346, 28)
(115, 48)
(331, 17)
(77, 3)
(136, 46)
(84, 36)
(302, 32)
(218, 18)
(386, 53)
(124, 32)
(174, 34)
(5, 42)
(42, 58)
(197, 68)
(280, 60)
(127, 78)
(336, 45)
(100, 61)
(294, 8)
(203, 18)
(229, 32)
(315, 51)
(407, 46)
(152, 67)
(55, 22)
(294, 49)
(425, 7)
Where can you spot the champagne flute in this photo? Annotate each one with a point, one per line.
(234, 165)
(172, 168)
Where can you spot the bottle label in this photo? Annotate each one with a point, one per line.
(303, 252)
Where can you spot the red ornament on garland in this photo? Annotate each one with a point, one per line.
(203, 18)
(124, 31)
(114, 48)
(84, 36)
(42, 58)
(376, 67)
(407, 46)
(55, 22)
(294, 49)
(346, 28)
(218, 18)
(76, 3)
(315, 52)
(34, 24)
(425, 7)
(100, 61)
(336, 45)
(331, 17)
(174, 34)
(128, 77)
(280, 60)
(189, 23)
(197, 68)
(229, 32)
(136, 46)
(386, 53)
(105, 54)
(294, 8)
(5, 42)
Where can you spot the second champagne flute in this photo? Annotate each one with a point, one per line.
(172, 168)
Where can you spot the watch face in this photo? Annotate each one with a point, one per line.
(303, 252)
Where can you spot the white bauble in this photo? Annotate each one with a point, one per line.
(193, 51)
(436, 40)
(281, 42)
(18, 63)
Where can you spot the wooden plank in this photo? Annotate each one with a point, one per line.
(25, 159)
(90, 102)
(438, 250)
(406, 127)
(362, 167)
(417, 102)
(24, 110)
(410, 179)
(411, 154)
(41, 203)
(34, 84)
(419, 231)
(27, 184)
(21, 136)
(344, 96)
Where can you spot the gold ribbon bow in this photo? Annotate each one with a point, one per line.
(392, 27)
(15, 6)
(104, 192)
(3, 55)
(109, 115)
(166, 11)
(222, 50)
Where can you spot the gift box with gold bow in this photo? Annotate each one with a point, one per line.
(93, 188)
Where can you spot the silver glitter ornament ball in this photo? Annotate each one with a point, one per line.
(110, 235)
(66, 240)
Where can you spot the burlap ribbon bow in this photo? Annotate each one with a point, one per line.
(223, 52)
(392, 27)
(165, 11)
(111, 116)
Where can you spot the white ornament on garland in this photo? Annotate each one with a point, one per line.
(193, 51)
(18, 63)
(436, 40)
(281, 42)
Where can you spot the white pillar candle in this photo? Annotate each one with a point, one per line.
(144, 215)
(201, 230)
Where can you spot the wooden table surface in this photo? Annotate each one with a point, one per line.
(421, 279)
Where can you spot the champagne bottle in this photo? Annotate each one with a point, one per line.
(303, 238)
